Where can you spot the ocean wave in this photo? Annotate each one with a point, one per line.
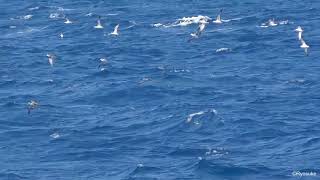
(56, 16)
(220, 50)
(25, 17)
(273, 23)
(219, 168)
(34, 8)
(185, 21)
(191, 116)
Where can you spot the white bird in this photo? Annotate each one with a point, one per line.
(299, 30)
(61, 35)
(103, 61)
(51, 59)
(200, 29)
(68, 21)
(218, 19)
(272, 22)
(194, 35)
(115, 31)
(304, 46)
(32, 105)
(99, 25)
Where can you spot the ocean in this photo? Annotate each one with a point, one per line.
(238, 102)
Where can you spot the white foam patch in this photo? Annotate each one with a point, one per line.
(63, 9)
(157, 25)
(144, 79)
(56, 16)
(55, 135)
(140, 165)
(284, 22)
(49, 80)
(190, 117)
(185, 21)
(34, 8)
(112, 14)
(26, 17)
(223, 50)
(89, 14)
(58, 8)
(180, 70)
(215, 153)
(274, 23)
(263, 26)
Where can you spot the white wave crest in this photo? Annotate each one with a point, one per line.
(55, 135)
(112, 14)
(185, 21)
(56, 16)
(273, 23)
(26, 17)
(223, 50)
(190, 117)
(34, 8)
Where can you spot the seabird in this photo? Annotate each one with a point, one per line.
(103, 61)
(199, 30)
(299, 30)
(115, 31)
(218, 19)
(61, 35)
(272, 22)
(32, 105)
(67, 21)
(304, 46)
(99, 25)
(51, 59)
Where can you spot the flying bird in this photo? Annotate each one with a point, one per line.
(200, 29)
(272, 22)
(218, 19)
(299, 30)
(99, 25)
(115, 31)
(68, 21)
(304, 46)
(32, 105)
(51, 59)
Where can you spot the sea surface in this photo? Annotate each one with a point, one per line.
(240, 102)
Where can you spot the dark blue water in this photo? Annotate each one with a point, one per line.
(163, 107)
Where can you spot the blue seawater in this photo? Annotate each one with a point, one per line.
(240, 102)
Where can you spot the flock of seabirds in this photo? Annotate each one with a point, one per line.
(202, 23)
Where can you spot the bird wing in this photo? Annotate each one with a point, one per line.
(219, 15)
